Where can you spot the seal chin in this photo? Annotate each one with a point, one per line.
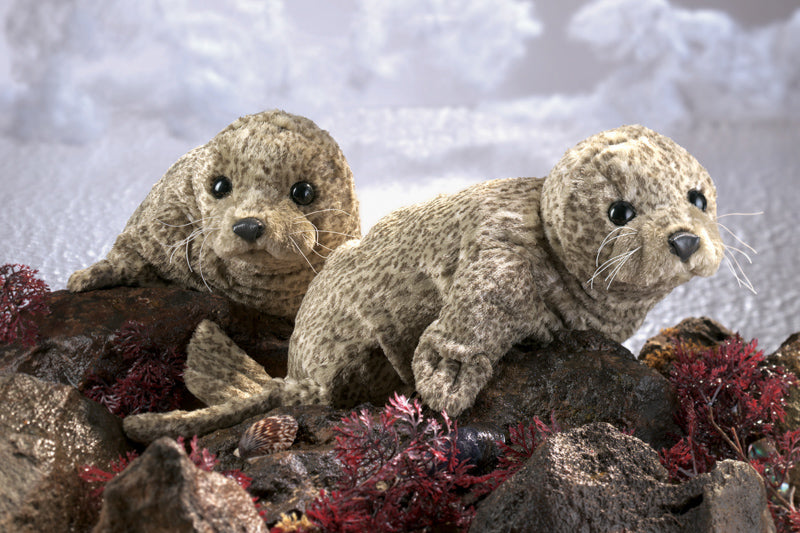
(272, 253)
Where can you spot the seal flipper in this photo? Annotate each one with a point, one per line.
(123, 266)
(217, 370)
(148, 427)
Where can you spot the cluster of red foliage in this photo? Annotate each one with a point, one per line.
(98, 477)
(153, 382)
(201, 457)
(522, 442)
(730, 405)
(205, 460)
(22, 295)
(400, 473)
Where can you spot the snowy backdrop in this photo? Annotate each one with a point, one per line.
(97, 99)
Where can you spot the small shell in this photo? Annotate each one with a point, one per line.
(268, 435)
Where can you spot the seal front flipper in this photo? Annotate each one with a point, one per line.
(122, 267)
(217, 370)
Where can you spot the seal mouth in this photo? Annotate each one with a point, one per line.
(258, 255)
(270, 250)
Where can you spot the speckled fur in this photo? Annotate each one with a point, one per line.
(436, 293)
(181, 234)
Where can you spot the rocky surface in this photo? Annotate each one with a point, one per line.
(581, 377)
(788, 356)
(75, 338)
(696, 333)
(596, 478)
(164, 491)
(286, 481)
(48, 431)
(607, 479)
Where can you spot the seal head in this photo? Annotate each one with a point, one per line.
(631, 213)
(251, 215)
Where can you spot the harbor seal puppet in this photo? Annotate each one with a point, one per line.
(436, 293)
(250, 215)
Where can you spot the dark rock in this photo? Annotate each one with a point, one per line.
(47, 431)
(164, 491)
(788, 356)
(478, 444)
(75, 337)
(289, 480)
(695, 333)
(596, 478)
(579, 378)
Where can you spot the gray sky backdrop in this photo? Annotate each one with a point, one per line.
(97, 99)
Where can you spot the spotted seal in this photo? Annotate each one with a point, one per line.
(436, 293)
(251, 215)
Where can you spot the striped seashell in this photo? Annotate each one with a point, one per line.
(268, 435)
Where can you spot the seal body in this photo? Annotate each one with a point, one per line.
(251, 215)
(436, 293)
(444, 288)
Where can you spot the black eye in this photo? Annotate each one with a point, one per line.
(221, 187)
(697, 199)
(620, 213)
(302, 193)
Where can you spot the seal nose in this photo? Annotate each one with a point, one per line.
(249, 229)
(683, 244)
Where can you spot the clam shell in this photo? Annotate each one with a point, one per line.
(268, 435)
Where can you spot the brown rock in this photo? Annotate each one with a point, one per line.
(596, 478)
(286, 481)
(162, 491)
(695, 333)
(74, 338)
(581, 377)
(788, 356)
(47, 431)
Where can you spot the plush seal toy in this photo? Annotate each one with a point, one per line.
(251, 215)
(436, 293)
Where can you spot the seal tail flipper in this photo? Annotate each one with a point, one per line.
(217, 370)
(148, 427)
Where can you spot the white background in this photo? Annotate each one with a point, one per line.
(97, 99)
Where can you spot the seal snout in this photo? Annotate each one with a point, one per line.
(249, 228)
(683, 244)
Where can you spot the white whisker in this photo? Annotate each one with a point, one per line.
(304, 255)
(188, 223)
(740, 214)
(200, 256)
(193, 236)
(619, 266)
(605, 266)
(323, 211)
(733, 271)
(735, 249)
(319, 254)
(186, 241)
(742, 282)
(207, 231)
(608, 239)
(326, 231)
(726, 228)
